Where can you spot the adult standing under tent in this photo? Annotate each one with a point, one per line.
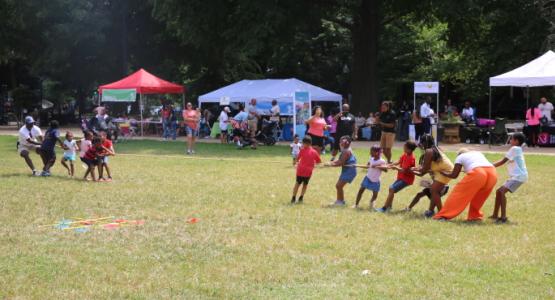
(30, 137)
(252, 122)
(473, 189)
(387, 122)
(546, 109)
(223, 123)
(533, 116)
(425, 113)
(191, 118)
(142, 83)
(275, 111)
(345, 127)
(169, 124)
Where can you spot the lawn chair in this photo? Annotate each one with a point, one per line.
(498, 133)
(126, 131)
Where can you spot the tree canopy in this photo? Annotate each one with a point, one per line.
(367, 50)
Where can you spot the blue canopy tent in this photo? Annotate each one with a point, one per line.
(266, 90)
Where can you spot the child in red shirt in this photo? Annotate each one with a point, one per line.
(306, 160)
(405, 177)
(108, 150)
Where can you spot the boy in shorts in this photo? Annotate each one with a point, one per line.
(306, 160)
(426, 192)
(518, 174)
(405, 177)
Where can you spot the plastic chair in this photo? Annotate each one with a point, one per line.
(498, 133)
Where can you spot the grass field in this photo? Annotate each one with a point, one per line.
(249, 242)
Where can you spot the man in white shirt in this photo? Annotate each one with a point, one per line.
(467, 113)
(224, 121)
(275, 111)
(425, 113)
(30, 137)
(546, 108)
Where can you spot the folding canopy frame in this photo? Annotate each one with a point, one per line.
(145, 83)
(536, 73)
(266, 90)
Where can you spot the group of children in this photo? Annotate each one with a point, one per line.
(94, 151)
(306, 158)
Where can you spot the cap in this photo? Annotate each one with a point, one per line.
(29, 120)
(226, 109)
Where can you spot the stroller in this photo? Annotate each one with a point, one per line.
(264, 136)
(267, 133)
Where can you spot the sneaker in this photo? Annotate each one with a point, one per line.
(292, 200)
(502, 221)
(338, 203)
(383, 209)
(188, 152)
(36, 173)
(45, 174)
(192, 151)
(429, 213)
(300, 201)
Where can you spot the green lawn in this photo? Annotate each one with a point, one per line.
(250, 243)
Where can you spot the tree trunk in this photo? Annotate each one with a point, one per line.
(364, 81)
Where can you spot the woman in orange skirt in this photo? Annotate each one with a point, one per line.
(473, 189)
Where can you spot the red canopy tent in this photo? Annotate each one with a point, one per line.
(144, 83)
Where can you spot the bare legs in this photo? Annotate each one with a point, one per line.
(190, 144)
(387, 154)
(70, 168)
(500, 203)
(25, 155)
(339, 188)
(359, 196)
(296, 189)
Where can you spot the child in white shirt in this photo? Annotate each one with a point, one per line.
(371, 181)
(70, 148)
(518, 174)
(295, 148)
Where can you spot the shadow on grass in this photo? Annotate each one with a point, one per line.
(28, 175)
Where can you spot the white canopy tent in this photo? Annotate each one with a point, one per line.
(266, 90)
(538, 72)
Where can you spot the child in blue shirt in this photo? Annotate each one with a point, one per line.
(47, 152)
(518, 174)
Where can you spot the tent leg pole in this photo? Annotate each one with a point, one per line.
(527, 97)
(141, 109)
(489, 114)
(489, 117)
(437, 118)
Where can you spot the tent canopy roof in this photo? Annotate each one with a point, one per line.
(538, 72)
(145, 83)
(282, 90)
